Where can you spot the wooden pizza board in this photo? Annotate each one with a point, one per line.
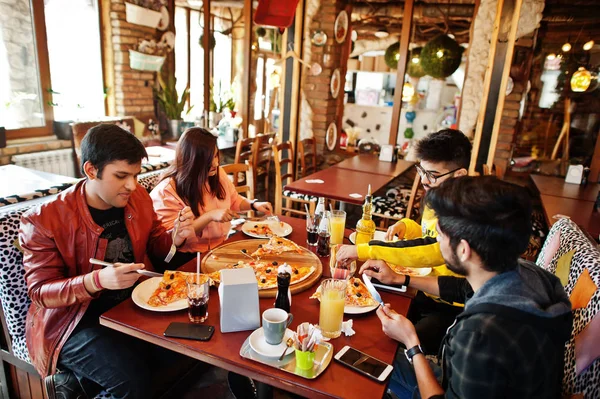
(229, 254)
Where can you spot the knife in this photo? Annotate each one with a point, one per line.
(108, 264)
(372, 289)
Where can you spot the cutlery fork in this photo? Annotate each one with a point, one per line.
(148, 273)
(173, 249)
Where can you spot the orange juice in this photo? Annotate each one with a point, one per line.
(337, 226)
(331, 315)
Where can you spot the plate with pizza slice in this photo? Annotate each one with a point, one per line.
(266, 229)
(358, 298)
(163, 294)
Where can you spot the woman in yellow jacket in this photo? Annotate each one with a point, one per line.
(443, 155)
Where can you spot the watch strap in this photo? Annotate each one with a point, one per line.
(252, 204)
(406, 281)
(415, 350)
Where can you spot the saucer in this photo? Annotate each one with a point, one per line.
(259, 345)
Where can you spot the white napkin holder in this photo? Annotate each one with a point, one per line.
(238, 295)
(574, 174)
(387, 153)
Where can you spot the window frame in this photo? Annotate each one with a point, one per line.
(41, 46)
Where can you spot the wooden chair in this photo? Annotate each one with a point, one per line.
(233, 171)
(282, 178)
(261, 160)
(307, 155)
(243, 154)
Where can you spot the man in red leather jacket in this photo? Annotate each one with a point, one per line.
(106, 216)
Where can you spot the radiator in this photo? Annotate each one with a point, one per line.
(59, 162)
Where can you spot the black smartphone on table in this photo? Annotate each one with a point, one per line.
(200, 332)
(363, 363)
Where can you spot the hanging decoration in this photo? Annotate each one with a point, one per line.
(319, 38)
(335, 83)
(211, 40)
(415, 70)
(261, 32)
(441, 56)
(581, 80)
(279, 13)
(340, 28)
(392, 55)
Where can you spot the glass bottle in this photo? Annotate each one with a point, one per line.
(365, 228)
(319, 211)
(324, 236)
(283, 300)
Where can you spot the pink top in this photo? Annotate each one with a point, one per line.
(167, 205)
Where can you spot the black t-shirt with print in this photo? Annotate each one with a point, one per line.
(118, 249)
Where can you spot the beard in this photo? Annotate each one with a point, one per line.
(455, 265)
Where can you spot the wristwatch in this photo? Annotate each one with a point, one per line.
(406, 281)
(412, 352)
(252, 205)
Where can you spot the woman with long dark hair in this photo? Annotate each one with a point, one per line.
(196, 180)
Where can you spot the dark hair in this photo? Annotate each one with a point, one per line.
(195, 152)
(448, 145)
(106, 143)
(493, 216)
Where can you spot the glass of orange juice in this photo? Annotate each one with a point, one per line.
(331, 315)
(337, 226)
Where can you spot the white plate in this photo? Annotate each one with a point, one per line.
(259, 345)
(379, 236)
(276, 228)
(144, 290)
(415, 271)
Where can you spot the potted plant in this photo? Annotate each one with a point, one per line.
(144, 12)
(223, 101)
(171, 104)
(149, 55)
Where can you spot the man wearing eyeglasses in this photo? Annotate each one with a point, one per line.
(443, 155)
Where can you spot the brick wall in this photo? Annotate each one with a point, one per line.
(318, 107)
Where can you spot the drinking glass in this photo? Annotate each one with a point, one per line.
(312, 235)
(338, 224)
(197, 294)
(344, 269)
(331, 314)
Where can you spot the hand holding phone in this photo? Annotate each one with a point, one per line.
(198, 332)
(363, 363)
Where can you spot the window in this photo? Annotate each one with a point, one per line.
(39, 40)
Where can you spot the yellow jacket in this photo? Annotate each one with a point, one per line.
(418, 249)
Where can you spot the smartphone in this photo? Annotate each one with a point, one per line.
(199, 332)
(364, 363)
(378, 284)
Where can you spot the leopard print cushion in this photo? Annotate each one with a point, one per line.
(13, 199)
(295, 195)
(150, 180)
(586, 256)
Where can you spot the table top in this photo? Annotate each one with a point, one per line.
(337, 381)
(371, 164)
(556, 186)
(339, 183)
(17, 180)
(222, 144)
(580, 211)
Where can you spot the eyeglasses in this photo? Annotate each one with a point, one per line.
(425, 174)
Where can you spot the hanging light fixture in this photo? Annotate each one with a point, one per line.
(588, 45)
(581, 80)
(566, 47)
(551, 56)
(408, 91)
(382, 33)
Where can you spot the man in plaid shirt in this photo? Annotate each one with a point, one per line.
(509, 341)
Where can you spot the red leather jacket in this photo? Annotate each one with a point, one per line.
(58, 239)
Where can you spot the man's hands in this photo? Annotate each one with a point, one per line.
(185, 229)
(397, 327)
(347, 253)
(122, 275)
(380, 270)
(397, 229)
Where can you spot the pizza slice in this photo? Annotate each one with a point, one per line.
(261, 229)
(357, 294)
(277, 246)
(216, 275)
(172, 288)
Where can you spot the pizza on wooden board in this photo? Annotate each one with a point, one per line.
(266, 273)
(277, 246)
(357, 294)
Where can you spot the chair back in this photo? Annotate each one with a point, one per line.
(369, 148)
(307, 155)
(568, 253)
(282, 177)
(243, 150)
(234, 171)
(262, 152)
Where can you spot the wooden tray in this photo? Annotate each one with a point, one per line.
(229, 254)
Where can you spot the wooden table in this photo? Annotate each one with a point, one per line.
(371, 164)
(222, 350)
(339, 183)
(556, 186)
(580, 211)
(17, 180)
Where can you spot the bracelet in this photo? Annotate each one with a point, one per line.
(96, 289)
(96, 276)
(252, 206)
